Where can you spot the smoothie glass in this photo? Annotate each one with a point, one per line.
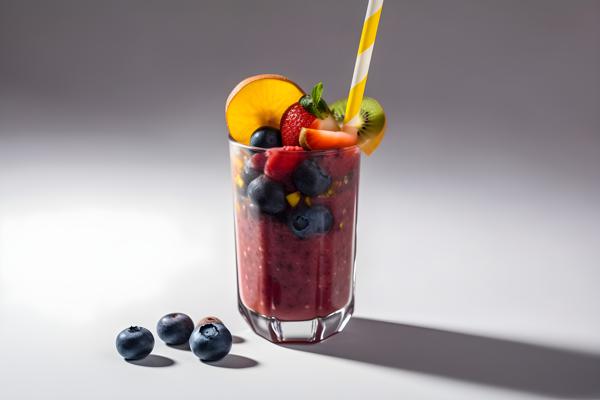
(294, 289)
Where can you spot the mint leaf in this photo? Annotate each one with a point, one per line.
(317, 92)
(314, 102)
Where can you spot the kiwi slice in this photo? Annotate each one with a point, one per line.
(371, 114)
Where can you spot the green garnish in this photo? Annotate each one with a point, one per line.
(314, 102)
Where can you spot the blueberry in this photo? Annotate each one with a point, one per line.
(249, 173)
(310, 221)
(135, 343)
(267, 195)
(310, 179)
(266, 137)
(211, 341)
(175, 328)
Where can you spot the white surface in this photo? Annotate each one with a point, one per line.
(85, 252)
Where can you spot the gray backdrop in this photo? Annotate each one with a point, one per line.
(479, 214)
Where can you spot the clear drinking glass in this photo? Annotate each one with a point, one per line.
(295, 253)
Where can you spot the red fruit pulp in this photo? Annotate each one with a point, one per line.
(283, 276)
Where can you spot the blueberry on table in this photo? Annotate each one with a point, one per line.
(266, 137)
(310, 179)
(135, 343)
(267, 195)
(175, 328)
(211, 341)
(311, 221)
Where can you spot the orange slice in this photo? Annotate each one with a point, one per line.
(320, 139)
(257, 101)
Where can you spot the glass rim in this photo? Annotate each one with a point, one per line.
(233, 142)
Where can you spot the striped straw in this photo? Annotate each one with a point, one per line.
(363, 59)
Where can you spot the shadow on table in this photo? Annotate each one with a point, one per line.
(233, 361)
(237, 339)
(153, 361)
(479, 359)
(184, 346)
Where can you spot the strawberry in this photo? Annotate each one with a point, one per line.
(310, 112)
(282, 161)
(294, 118)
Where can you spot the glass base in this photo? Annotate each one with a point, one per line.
(306, 331)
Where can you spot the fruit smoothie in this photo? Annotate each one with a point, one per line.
(296, 248)
(295, 172)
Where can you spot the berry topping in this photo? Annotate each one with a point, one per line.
(175, 328)
(253, 168)
(211, 341)
(311, 221)
(311, 111)
(135, 343)
(257, 161)
(267, 195)
(310, 179)
(282, 162)
(266, 137)
(249, 174)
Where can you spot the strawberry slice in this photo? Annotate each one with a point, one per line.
(320, 139)
(282, 161)
(310, 112)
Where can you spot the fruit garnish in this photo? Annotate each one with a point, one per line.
(311, 111)
(266, 137)
(373, 122)
(293, 198)
(211, 341)
(281, 162)
(311, 221)
(320, 139)
(259, 101)
(310, 179)
(314, 102)
(175, 328)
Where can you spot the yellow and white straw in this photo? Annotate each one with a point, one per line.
(363, 59)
